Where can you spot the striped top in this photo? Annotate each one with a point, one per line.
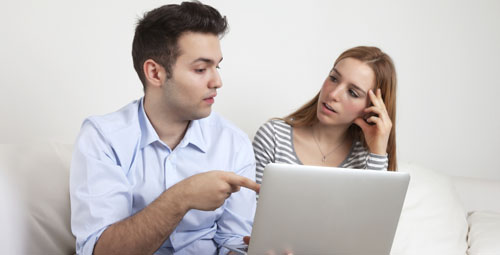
(273, 143)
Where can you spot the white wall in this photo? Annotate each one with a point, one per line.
(64, 60)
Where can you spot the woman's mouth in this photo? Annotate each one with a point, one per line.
(329, 108)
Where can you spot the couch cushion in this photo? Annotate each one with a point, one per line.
(11, 228)
(484, 233)
(433, 220)
(40, 173)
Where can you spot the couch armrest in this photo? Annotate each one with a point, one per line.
(478, 194)
(39, 174)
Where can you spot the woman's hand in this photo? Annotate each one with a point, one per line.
(246, 240)
(376, 128)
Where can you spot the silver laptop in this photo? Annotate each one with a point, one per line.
(326, 210)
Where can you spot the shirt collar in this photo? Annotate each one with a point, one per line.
(194, 133)
(149, 134)
(194, 136)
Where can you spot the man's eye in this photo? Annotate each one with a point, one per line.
(333, 78)
(200, 70)
(353, 93)
(218, 67)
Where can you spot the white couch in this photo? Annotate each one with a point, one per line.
(441, 215)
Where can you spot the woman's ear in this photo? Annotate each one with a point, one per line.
(155, 74)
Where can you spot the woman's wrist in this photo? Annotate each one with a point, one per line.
(379, 151)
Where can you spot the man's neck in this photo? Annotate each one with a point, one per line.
(168, 126)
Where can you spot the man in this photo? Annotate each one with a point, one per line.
(141, 178)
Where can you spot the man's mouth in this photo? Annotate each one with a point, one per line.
(210, 98)
(328, 107)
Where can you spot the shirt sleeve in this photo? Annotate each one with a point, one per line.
(377, 162)
(99, 190)
(264, 146)
(239, 209)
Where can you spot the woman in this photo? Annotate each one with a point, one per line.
(349, 123)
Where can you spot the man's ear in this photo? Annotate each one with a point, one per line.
(154, 73)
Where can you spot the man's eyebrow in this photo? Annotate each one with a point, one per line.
(352, 84)
(206, 60)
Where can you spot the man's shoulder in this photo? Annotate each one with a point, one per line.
(118, 131)
(125, 118)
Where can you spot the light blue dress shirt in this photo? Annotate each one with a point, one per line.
(120, 165)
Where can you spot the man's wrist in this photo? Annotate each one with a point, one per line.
(177, 198)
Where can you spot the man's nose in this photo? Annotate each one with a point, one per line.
(216, 81)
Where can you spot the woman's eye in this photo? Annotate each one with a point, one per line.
(200, 70)
(353, 93)
(333, 78)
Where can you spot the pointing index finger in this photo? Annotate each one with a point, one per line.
(244, 182)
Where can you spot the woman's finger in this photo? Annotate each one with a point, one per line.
(379, 94)
(382, 113)
(363, 124)
(375, 120)
(373, 98)
(374, 109)
(377, 99)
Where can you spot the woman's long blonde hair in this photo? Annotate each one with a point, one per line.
(385, 79)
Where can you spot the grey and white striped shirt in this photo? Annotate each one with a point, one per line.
(273, 143)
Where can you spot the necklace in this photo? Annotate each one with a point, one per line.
(323, 159)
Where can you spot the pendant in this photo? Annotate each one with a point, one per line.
(324, 159)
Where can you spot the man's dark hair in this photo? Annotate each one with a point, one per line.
(157, 33)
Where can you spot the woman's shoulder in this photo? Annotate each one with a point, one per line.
(273, 128)
(274, 124)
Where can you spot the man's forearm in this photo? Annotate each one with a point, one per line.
(144, 232)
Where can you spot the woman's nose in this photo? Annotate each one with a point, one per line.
(336, 93)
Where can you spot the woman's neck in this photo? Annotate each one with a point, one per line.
(329, 135)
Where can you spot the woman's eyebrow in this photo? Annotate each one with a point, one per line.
(358, 88)
(352, 84)
(337, 72)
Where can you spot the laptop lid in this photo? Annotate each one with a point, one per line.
(325, 210)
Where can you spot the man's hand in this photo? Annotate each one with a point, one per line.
(208, 191)
(144, 232)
